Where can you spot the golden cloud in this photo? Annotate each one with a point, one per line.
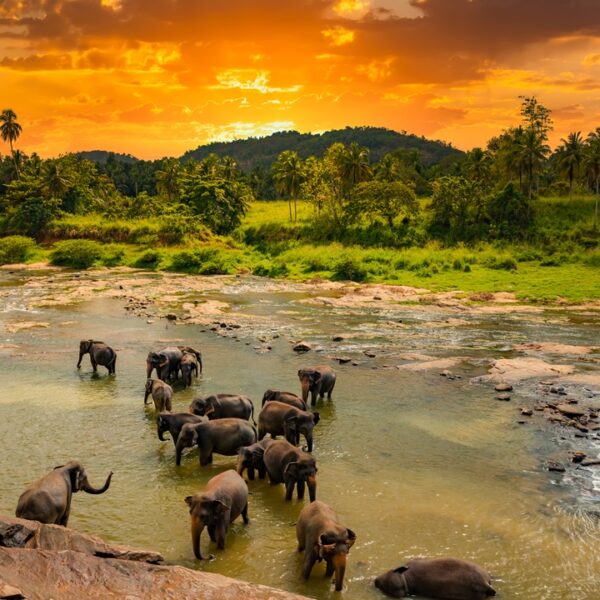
(338, 35)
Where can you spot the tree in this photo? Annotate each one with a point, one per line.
(569, 156)
(386, 199)
(509, 213)
(354, 165)
(167, 178)
(591, 163)
(477, 165)
(533, 151)
(288, 174)
(10, 130)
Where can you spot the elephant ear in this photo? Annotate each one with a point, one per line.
(219, 507)
(316, 417)
(291, 470)
(292, 422)
(350, 538)
(189, 500)
(77, 475)
(323, 547)
(401, 569)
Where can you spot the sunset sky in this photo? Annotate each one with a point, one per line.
(159, 77)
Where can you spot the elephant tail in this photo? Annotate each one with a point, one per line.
(113, 359)
(252, 414)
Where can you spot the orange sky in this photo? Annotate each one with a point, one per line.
(158, 77)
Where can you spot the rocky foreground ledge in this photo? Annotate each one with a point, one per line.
(43, 562)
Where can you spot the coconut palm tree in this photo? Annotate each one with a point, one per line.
(167, 178)
(591, 164)
(355, 167)
(10, 130)
(570, 156)
(533, 152)
(288, 174)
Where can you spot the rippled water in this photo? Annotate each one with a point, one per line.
(413, 463)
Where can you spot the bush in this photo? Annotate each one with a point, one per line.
(113, 255)
(349, 268)
(505, 263)
(206, 261)
(15, 249)
(148, 260)
(79, 254)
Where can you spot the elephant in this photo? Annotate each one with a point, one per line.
(173, 422)
(196, 353)
(100, 354)
(278, 418)
(443, 578)
(289, 465)
(220, 406)
(251, 457)
(162, 394)
(321, 537)
(48, 499)
(223, 500)
(285, 397)
(318, 381)
(223, 436)
(189, 366)
(165, 361)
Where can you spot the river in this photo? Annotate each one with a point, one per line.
(416, 464)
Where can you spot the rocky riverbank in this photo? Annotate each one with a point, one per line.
(40, 562)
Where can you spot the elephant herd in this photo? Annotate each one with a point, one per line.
(225, 424)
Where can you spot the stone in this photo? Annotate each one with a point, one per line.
(577, 457)
(343, 359)
(503, 387)
(526, 412)
(301, 347)
(591, 463)
(9, 592)
(446, 373)
(570, 410)
(503, 397)
(369, 354)
(555, 466)
(171, 317)
(337, 338)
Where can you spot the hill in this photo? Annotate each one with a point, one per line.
(253, 152)
(101, 156)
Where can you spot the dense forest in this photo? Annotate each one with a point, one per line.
(388, 196)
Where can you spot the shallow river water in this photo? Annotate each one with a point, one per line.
(415, 464)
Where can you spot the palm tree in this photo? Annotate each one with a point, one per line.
(533, 151)
(355, 166)
(569, 156)
(167, 178)
(478, 165)
(229, 168)
(10, 131)
(388, 169)
(56, 178)
(288, 174)
(591, 163)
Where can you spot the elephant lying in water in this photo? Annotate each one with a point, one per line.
(48, 499)
(443, 578)
(318, 381)
(224, 498)
(322, 538)
(100, 354)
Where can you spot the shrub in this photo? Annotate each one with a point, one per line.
(113, 255)
(79, 254)
(15, 248)
(206, 261)
(349, 268)
(148, 260)
(506, 263)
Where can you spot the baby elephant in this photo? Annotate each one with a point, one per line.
(287, 464)
(162, 394)
(100, 354)
(443, 578)
(323, 538)
(224, 498)
(318, 381)
(251, 457)
(189, 366)
(173, 423)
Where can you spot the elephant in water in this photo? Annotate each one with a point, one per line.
(443, 578)
(48, 499)
(318, 381)
(278, 418)
(100, 354)
(161, 392)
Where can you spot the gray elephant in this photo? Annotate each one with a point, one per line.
(318, 381)
(196, 353)
(190, 367)
(100, 354)
(278, 418)
(443, 578)
(289, 465)
(251, 457)
(223, 436)
(285, 397)
(321, 537)
(221, 406)
(161, 392)
(173, 422)
(224, 498)
(48, 499)
(166, 363)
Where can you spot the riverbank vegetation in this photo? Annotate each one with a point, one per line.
(514, 216)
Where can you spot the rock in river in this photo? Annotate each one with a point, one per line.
(301, 347)
(503, 387)
(570, 410)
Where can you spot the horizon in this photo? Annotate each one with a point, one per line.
(158, 80)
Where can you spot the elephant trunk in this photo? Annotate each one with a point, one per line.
(311, 483)
(199, 363)
(179, 446)
(160, 434)
(197, 527)
(305, 390)
(309, 441)
(79, 361)
(339, 564)
(146, 394)
(86, 486)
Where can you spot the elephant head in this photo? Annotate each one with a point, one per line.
(309, 378)
(334, 548)
(268, 396)
(199, 406)
(205, 511)
(84, 347)
(196, 353)
(161, 426)
(303, 471)
(250, 458)
(393, 583)
(188, 437)
(77, 477)
(302, 423)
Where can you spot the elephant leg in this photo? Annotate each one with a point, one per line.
(330, 569)
(220, 532)
(168, 404)
(113, 367)
(245, 514)
(262, 472)
(94, 364)
(313, 398)
(289, 489)
(211, 533)
(301, 489)
(309, 561)
(261, 433)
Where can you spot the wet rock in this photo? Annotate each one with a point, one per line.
(9, 592)
(446, 373)
(503, 387)
(577, 457)
(570, 410)
(555, 466)
(595, 462)
(558, 389)
(171, 317)
(526, 412)
(369, 354)
(343, 359)
(355, 363)
(301, 347)
(337, 338)
(503, 397)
